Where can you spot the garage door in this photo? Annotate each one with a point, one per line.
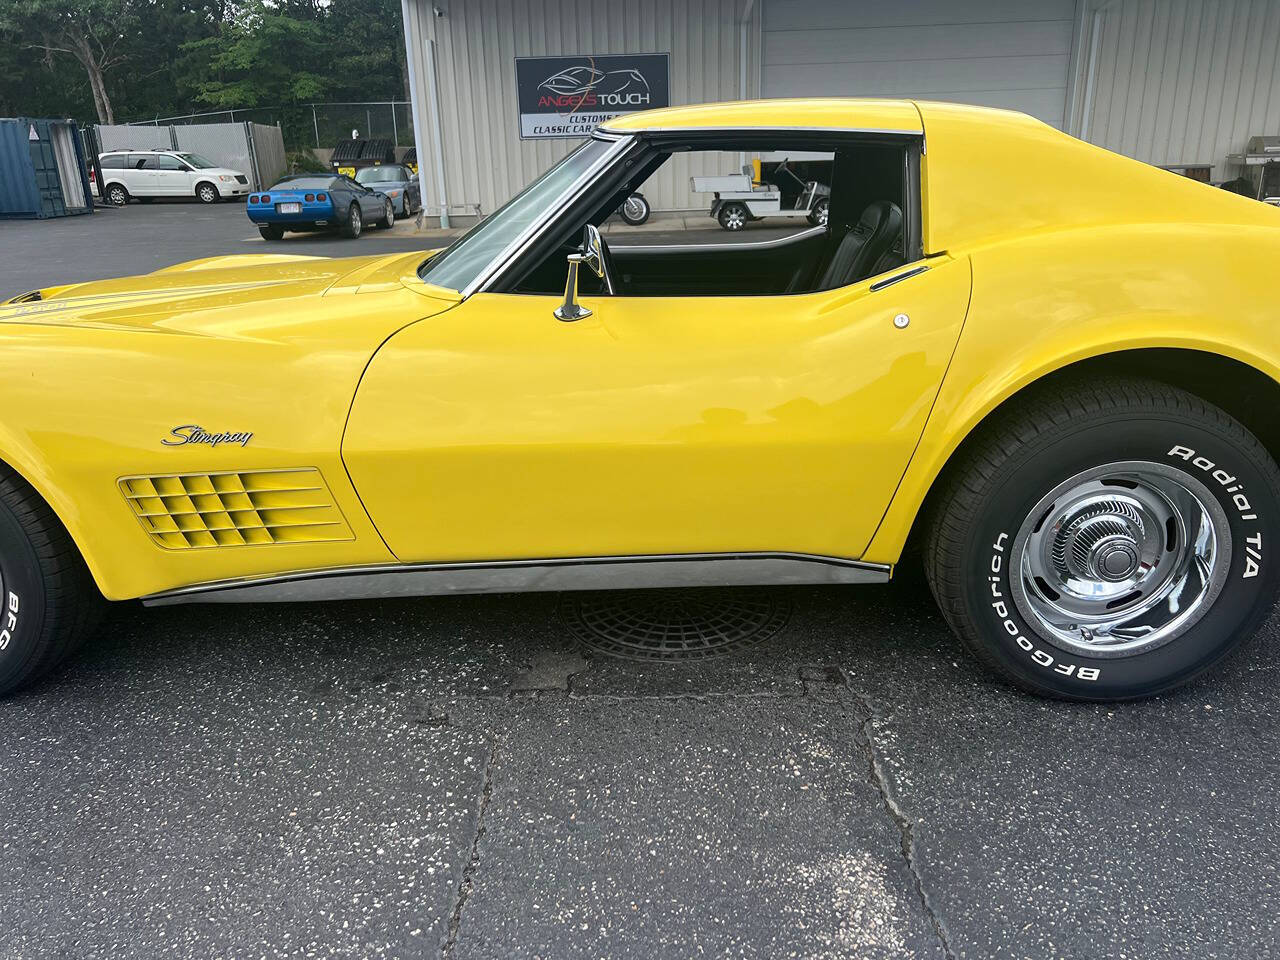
(998, 53)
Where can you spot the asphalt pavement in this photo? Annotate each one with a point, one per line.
(458, 777)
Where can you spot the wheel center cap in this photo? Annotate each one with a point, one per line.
(1114, 559)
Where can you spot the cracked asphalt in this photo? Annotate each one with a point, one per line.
(457, 778)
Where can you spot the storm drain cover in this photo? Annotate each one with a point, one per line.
(692, 624)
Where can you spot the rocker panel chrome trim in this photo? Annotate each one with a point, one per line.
(532, 576)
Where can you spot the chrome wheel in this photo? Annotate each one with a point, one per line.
(1120, 559)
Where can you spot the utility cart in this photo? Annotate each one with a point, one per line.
(751, 195)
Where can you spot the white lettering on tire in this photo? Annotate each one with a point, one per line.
(1039, 655)
(1239, 499)
(9, 620)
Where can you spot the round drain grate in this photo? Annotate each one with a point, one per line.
(691, 624)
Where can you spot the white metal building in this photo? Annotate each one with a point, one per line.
(1166, 81)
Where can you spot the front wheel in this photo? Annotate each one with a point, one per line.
(388, 216)
(207, 193)
(733, 216)
(1107, 541)
(48, 601)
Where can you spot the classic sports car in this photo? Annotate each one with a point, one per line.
(1051, 368)
(323, 201)
(396, 182)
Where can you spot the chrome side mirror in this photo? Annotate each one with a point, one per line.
(592, 257)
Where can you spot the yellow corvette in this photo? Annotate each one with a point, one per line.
(1053, 368)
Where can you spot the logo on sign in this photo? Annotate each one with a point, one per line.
(587, 88)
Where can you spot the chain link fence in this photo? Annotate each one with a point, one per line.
(316, 125)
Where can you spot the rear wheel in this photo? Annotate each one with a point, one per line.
(353, 226)
(117, 195)
(818, 214)
(207, 193)
(1107, 540)
(733, 216)
(271, 231)
(48, 601)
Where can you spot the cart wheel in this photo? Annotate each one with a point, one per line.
(818, 215)
(733, 216)
(635, 210)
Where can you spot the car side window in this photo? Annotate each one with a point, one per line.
(161, 161)
(114, 162)
(757, 215)
(137, 160)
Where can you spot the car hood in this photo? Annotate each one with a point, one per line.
(189, 297)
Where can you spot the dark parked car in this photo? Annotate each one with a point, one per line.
(397, 181)
(309, 202)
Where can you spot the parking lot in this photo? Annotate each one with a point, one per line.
(461, 777)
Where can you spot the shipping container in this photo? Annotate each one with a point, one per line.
(42, 169)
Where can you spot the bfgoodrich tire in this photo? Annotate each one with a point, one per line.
(1107, 540)
(48, 601)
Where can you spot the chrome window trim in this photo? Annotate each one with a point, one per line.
(899, 277)
(533, 576)
(723, 247)
(521, 242)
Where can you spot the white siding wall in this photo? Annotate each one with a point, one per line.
(486, 162)
(998, 53)
(1186, 81)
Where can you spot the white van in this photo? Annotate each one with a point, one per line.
(166, 173)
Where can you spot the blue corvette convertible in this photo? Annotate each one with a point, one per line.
(309, 202)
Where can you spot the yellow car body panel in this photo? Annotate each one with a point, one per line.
(96, 379)
(481, 428)
(1040, 305)
(656, 426)
(888, 116)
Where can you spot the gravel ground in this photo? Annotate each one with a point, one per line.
(457, 777)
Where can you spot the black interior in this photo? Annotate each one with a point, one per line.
(872, 227)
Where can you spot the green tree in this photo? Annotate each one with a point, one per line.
(95, 33)
(269, 54)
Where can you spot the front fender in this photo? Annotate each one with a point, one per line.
(1049, 301)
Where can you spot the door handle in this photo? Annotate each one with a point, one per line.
(898, 278)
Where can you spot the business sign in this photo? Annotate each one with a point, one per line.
(563, 97)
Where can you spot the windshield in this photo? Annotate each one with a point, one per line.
(379, 175)
(197, 161)
(461, 263)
